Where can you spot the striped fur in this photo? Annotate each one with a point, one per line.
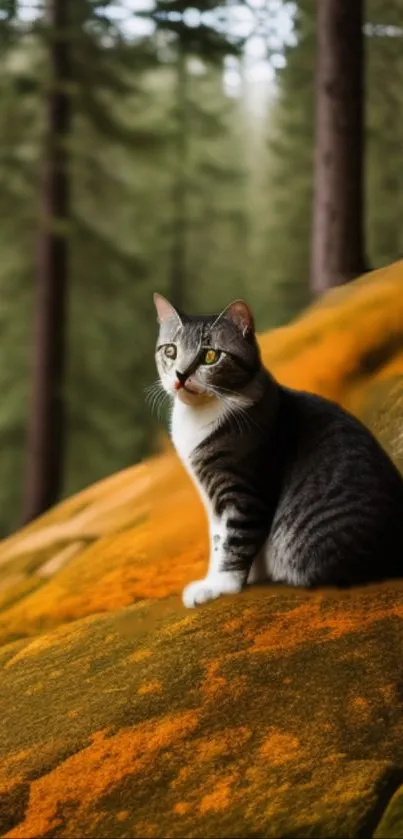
(295, 489)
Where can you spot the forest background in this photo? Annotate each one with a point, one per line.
(184, 160)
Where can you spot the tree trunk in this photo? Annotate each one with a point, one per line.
(46, 430)
(338, 224)
(178, 264)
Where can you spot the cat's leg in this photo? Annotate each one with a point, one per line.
(259, 572)
(228, 570)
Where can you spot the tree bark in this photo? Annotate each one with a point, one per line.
(46, 429)
(338, 224)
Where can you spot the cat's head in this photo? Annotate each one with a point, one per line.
(200, 357)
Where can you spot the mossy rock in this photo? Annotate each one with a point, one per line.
(275, 713)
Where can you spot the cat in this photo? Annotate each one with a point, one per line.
(296, 490)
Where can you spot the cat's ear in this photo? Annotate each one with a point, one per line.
(165, 310)
(240, 314)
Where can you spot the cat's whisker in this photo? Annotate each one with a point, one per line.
(155, 397)
(150, 396)
(237, 411)
(234, 415)
(248, 420)
(160, 404)
(156, 385)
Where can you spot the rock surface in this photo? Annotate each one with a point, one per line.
(274, 713)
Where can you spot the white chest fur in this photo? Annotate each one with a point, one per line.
(190, 426)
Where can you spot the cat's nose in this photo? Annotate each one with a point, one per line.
(181, 379)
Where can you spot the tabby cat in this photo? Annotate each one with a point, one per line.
(295, 489)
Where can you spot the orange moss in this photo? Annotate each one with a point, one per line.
(37, 687)
(219, 798)
(183, 776)
(145, 830)
(321, 349)
(150, 687)
(227, 741)
(358, 703)
(361, 711)
(234, 624)
(213, 682)
(137, 563)
(279, 748)
(389, 694)
(181, 808)
(11, 770)
(309, 622)
(177, 627)
(83, 778)
(139, 655)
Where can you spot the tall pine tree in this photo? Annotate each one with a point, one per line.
(338, 225)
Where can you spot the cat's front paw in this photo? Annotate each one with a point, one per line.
(201, 591)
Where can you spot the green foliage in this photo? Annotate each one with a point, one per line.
(385, 131)
(290, 177)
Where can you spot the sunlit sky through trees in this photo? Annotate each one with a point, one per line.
(267, 25)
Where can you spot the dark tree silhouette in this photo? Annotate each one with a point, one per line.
(46, 431)
(338, 225)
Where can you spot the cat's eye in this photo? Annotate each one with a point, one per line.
(170, 351)
(211, 356)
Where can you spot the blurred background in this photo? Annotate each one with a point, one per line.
(169, 145)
